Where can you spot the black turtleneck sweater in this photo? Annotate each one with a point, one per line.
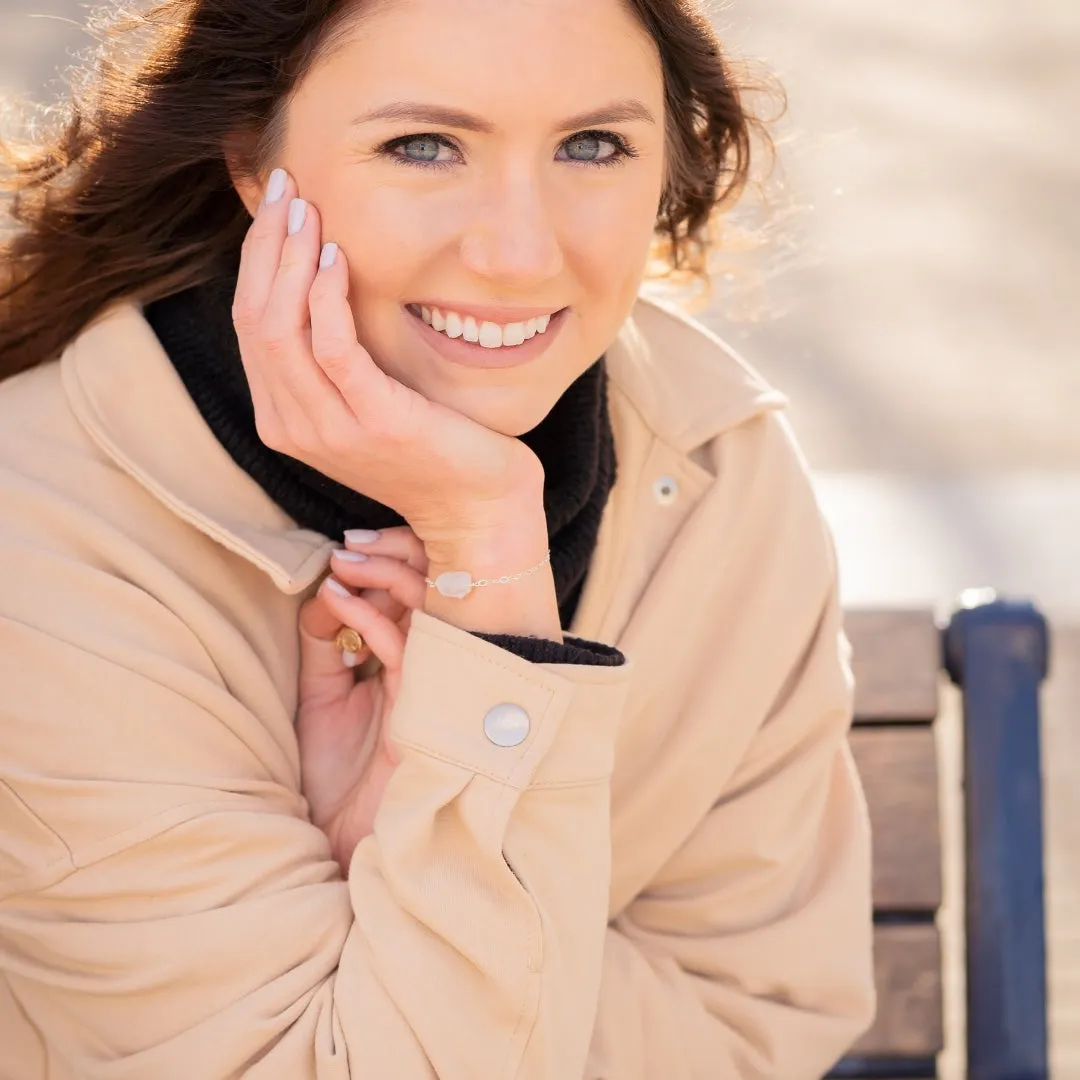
(573, 442)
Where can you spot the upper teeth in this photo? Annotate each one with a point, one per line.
(488, 334)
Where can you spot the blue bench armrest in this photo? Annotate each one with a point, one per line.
(997, 652)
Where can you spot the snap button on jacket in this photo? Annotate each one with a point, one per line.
(659, 870)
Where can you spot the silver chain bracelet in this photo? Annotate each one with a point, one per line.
(457, 584)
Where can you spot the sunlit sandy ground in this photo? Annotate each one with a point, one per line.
(920, 306)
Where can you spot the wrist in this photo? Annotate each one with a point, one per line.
(526, 605)
(491, 551)
(490, 532)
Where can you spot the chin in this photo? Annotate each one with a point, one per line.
(512, 422)
(508, 411)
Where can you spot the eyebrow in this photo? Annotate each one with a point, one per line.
(616, 112)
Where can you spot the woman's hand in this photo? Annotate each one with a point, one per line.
(319, 397)
(346, 755)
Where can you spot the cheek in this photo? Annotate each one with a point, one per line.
(387, 231)
(608, 241)
(383, 232)
(393, 235)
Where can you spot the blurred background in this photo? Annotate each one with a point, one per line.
(920, 305)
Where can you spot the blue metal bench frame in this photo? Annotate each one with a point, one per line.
(997, 652)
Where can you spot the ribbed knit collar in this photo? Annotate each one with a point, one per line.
(574, 441)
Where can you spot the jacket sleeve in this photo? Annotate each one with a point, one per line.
(168, 911)
(748, 956)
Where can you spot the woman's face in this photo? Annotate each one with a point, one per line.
(499, 159)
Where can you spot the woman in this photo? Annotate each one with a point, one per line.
(548, 776)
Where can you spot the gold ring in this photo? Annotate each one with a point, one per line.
(348, 640)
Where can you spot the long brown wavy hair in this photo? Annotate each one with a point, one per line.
(130, 196)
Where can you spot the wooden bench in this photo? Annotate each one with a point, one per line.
(996, 652)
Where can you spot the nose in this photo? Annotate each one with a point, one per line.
(512, 239)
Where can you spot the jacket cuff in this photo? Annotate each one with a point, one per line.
(459, 692)
(571, 650)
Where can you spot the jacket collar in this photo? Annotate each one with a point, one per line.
(682, 382)
(126, 394)
(688, 385)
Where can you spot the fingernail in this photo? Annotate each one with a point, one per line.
(361, 536)
(297, 213)
(275, 185)
(327, 256)
(335, 586)
(348, 658)
(350, 556)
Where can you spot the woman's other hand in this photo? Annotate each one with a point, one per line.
(342, 726)
(320, 397)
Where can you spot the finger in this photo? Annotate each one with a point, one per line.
(302, 398)
(323, 675)
(380, 634)
(399, 542)
(383, 602)
(334, 344)
(362, 571)
(287, 307)
(321, 626)
(260, 255)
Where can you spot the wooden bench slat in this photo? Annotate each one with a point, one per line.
(898, 767)
(896, 661)
(907, 970)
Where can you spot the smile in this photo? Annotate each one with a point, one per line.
(470, 341)
(488, 335)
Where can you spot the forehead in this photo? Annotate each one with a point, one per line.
(544, 56)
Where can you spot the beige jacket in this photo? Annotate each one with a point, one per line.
(668, 878)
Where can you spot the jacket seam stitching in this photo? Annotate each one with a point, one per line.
(42, 871)
(521, 1019)
(38, 818)
(471, 767)
(45, 873)
(590, 781)
(78, 862)
(208, 807)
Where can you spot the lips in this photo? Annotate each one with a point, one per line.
(477, 354)
(484, 332)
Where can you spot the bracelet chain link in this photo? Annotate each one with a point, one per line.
(506, 579)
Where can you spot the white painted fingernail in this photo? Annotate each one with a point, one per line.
(327, 256)
(275, 185)
(335, 586)
(297, 213)
(350, 556)
(348, 658)
(361, 536)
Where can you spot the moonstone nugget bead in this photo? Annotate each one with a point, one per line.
(454, 583)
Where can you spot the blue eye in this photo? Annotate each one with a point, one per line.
(595, 148)
(588, 148)
(421, 149)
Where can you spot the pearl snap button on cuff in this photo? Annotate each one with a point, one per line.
(666, 490)
(507, 725)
